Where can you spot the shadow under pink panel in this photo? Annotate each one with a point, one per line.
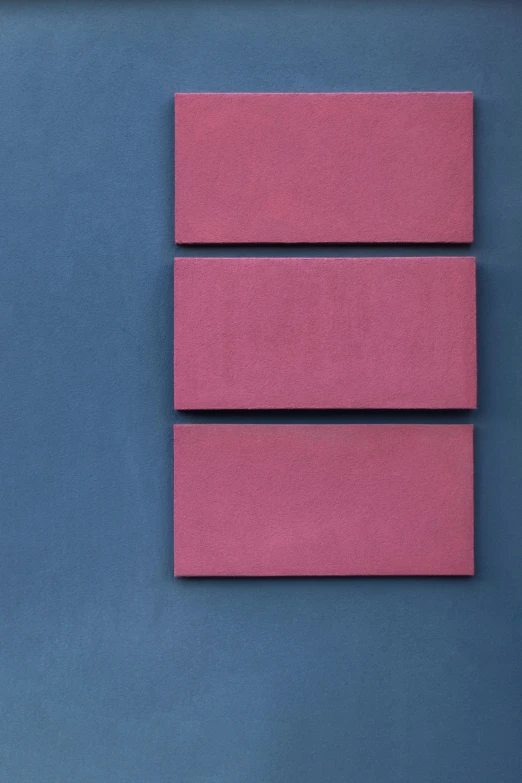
(324, 333)
(323, 500)
(324, 167)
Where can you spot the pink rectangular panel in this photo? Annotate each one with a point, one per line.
(324, 333)
(324, 167)
(323, 500)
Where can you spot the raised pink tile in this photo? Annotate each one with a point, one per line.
(321, 500)
(324, 333)
(324, 167)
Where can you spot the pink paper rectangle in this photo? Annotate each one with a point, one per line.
(323, 500)
(324, 333)
(324, 167)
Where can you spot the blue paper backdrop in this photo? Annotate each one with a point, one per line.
(111, 671)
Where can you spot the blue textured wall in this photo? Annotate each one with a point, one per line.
(109, 669)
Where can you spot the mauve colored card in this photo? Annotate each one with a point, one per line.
(323, 500)
(324, 333)
(324, 167)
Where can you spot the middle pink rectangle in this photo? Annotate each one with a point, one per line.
(324, 333)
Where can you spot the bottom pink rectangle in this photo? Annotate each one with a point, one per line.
(323, 500)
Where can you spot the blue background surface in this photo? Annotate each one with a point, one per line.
(110, 670)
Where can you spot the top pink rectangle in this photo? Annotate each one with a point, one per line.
(323, 167)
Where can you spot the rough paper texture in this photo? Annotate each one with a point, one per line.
(324, 333)
(305, 500)
(324, 167)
